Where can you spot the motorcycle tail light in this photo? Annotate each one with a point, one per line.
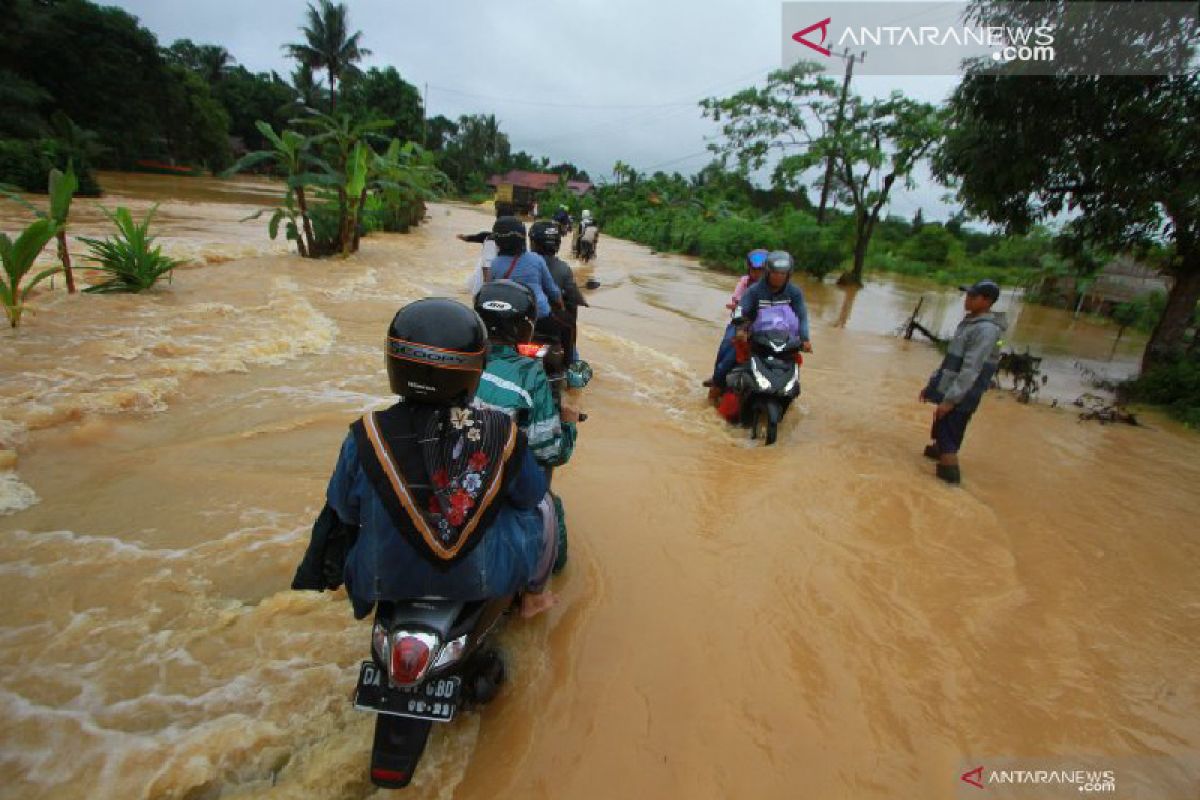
(410, 657)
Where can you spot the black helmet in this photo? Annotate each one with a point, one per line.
(436, 351)
(545, 238)
(508, 310)
(780, 261)
(509, 233)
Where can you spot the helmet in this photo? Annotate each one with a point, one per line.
(509, 233)
(587, 214)
(544, 237)
(436, 351)
(562, 207)
(780, 261)
(756, 259)
(508, 310)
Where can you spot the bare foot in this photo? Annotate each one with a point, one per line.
(534, 604)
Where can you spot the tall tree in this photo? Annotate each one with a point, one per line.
(209, 61)
(1119, 155)
(792, 121)
(328, 44)
(383, 94)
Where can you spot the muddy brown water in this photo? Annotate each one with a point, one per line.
(817, 619)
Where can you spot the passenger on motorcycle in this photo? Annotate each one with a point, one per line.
(544, 239)
(432, 497)
(756, 260)
(516, 384)
(516, 264)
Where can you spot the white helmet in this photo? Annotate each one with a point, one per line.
(587, 214)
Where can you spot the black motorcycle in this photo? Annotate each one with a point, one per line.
(768, 382)
(429, 659)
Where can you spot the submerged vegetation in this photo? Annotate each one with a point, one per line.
(128, 259)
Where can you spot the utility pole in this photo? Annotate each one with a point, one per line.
(425, 118)
(837, 129)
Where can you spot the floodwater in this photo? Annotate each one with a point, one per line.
(820, 619)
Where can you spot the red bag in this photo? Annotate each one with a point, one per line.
(730, 407)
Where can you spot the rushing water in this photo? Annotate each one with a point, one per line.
(818, 619)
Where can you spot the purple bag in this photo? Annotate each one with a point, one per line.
(776, 318)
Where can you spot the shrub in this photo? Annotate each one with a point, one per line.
(128, 258)
(1175, 386)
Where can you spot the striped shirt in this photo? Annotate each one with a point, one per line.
(518, 386)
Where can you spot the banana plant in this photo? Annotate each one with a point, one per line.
(62, 188)
(291, 155)
(18, 258)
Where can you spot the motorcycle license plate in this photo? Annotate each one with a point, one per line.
(435, 699)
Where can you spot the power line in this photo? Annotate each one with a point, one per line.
(524, 102)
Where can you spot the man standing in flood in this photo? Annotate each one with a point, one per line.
(958, 384)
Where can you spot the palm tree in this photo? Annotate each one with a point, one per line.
(328, 45)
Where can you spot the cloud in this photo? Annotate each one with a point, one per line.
(590, 81)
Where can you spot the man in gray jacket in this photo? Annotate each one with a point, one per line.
(958, 384)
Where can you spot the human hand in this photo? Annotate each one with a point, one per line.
(942, 410)
(806, 347)
(921, 397)
(462, 237)
(569, 414)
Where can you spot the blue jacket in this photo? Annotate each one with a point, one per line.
(760, 295)
(531, 270)
(383, 565)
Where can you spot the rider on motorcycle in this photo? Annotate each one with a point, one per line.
(756, 260)
(516, 384)
(771, 299)
(563, 219)
(544, 239)
(431, 497)
(588, 231)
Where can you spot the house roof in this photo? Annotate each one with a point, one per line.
(537, 181)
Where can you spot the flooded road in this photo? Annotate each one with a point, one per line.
(818, 619)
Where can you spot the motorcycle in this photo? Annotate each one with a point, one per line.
(767, 383)
(429, 659)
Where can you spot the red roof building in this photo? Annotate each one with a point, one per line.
(537, 181)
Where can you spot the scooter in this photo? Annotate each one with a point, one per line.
(768, 382)
(429, 659)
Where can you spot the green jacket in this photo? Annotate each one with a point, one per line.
(518, 386)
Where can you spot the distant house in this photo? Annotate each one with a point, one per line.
(522, 188)
(1121, 280)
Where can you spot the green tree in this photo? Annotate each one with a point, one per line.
(328, 44)
(438, 132)
(196, 125)
(383, 94)
(791, 121)
(210, 61)
(1120, 154)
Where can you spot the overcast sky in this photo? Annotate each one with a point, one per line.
(585, 81)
